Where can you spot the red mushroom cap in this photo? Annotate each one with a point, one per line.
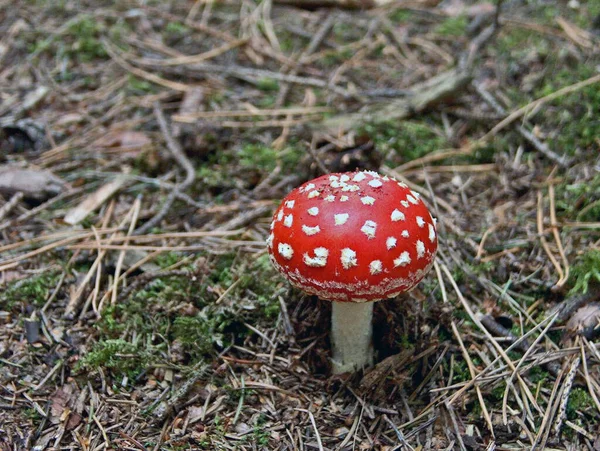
(355, 236)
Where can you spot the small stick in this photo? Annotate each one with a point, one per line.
(134, 217)
(540, 227)
(166, 408)
(180, 157)
(521, 343)
(399, 434)
(533, 140)
(314, 425)
(564, 399)
(556, 234)
(12, 203)
(315, 42)
(532, 106)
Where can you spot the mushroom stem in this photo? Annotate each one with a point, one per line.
(351, 336)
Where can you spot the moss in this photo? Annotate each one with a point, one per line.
(336, 57)
(86, 46)
(198, 334)
(267, 84)
(33, 290)
(400, 15)
(344, 32)
(167, 289)
(266, 101)
(409, 139)
(171, 309)
(579, 201)
(213, 178)
(579, 402)
(453, 26)
(461, 371)
(118, 356)
(572, 121)
(260, 437)
(586, 270)
(80, 42)
(167, 259)
(538, 374)
(258, 156)
(139, 86)
(176, 28)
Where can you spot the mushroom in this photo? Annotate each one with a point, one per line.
(353, 238)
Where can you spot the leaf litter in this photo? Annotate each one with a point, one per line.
(148, 146)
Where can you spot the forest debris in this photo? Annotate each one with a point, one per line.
(179, 156)
(577, 35)
(540, 146)
(12, 203)
(356, 4)
(126, 140)
(94, 200)
(570, 305)
(382, 371)
(63, 407)
(585, 321)
(440, 88)
(524, 111)
(456, 8)
(190, 104)
(522, 345)
(32, 329)
(35, 184)
(165, 408)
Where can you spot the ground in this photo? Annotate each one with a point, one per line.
(139, 309)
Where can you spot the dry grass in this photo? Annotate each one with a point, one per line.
(139, 311)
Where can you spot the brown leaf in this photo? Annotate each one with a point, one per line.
(63, 407)
(33, 183)
(126, 140)
(60, 401)
(585, 321)
(458, 7)
(10, 276)
(73, 422)
(93, 201)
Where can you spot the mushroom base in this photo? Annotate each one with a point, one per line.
(351, 336)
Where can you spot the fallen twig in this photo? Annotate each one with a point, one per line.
(541, 147)
(424, 95)
(12, 203)
(165, 408)
(180, 157)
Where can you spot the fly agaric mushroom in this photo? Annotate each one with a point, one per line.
(353, 238)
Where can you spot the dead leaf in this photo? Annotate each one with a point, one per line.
(458, 8)
(94, 201)
(62, 407)
(69, 119)
(33, 183)
(10, 276)
(195, 414)
(60, 401)
(585, 321)
(73, 422)
(124, 140)
(191, 104)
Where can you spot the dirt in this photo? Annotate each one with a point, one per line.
(138, 306)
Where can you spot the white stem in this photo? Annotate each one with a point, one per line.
(351, 333)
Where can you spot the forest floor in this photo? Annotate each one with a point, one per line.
(144, 146)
